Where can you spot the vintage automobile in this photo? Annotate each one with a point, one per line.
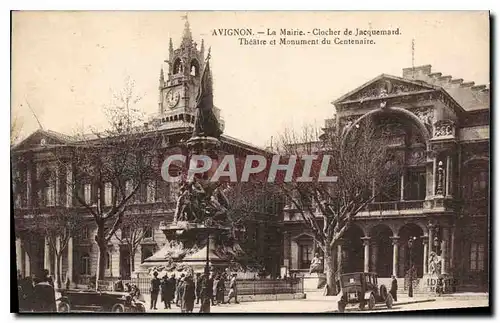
(362, 288)
(98, 301)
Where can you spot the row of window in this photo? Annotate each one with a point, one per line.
(85, 261)
(148, 233)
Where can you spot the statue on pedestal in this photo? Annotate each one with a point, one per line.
(316, 265)
(434, 264)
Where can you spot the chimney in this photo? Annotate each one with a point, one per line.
(456, 82)
(444, 80)
(417, 72)
(467, 84)
(478, 88)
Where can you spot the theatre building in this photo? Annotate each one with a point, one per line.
(41, 185)
(440, 127)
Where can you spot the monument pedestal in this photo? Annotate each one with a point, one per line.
(190, 247)
(429, 282)
(314, 281)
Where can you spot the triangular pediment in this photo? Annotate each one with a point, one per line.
(42, 138)
(385, 86)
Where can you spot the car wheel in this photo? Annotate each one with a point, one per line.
(383, 293)
(371, 302)
(389, 301)
(118, 308)
(63, 307)
(341, 307)
(140, 308)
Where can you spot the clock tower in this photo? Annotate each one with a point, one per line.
(179, 84)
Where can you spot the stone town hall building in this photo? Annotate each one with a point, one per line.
(440, 125)
(40, 184)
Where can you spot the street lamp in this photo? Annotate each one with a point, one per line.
(410, 271)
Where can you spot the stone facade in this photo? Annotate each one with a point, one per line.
(442, 126)
(41, 186)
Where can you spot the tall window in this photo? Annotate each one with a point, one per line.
(305, 255)
(415, 187)
(85, 264)
(108, 260)
(85, 233)
(87, 193)
(108, 194)
(125, 232)
(392, 192)
(129, 187)
(477, 257)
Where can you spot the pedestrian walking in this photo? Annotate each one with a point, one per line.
(233, 290)
(221, 290)
(198, 287)
(165, 292)
(172, 284)
(394, 288)
(215, 300)
(154, 290)
(206, 293)
(188, 295)
(178, 290)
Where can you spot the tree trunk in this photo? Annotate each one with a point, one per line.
(330, 272)
(103, 246)
(131, 261)
(58, 270)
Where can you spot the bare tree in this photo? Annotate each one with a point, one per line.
(110, 166)
(134, 228)
(16, 127)
(364, 166)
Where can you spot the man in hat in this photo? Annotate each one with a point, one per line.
(394, 288)
(206, 292)
(233, 291)
(188, 295)
(154, 289)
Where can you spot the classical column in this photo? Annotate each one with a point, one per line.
(444, 251)
(70, 259)
(27, 267)
(19, 255)
(56, 187)
(339, 256)
(366, 244)
(452, 246)
(431, 236)
(425, 241)
(402, 187)
(448, 175)
(57, 266)
(374, 255)
(434, 175)
(46, 255)
(395, 252)
(29, 193)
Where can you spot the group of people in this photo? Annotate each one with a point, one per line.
(204, 289)
(36, 294)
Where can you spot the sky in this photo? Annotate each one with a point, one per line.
(66, 65)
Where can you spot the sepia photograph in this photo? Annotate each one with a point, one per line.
(172, 162)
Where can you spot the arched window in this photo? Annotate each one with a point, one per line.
(85, 264)
(178, 66)
(194, 68)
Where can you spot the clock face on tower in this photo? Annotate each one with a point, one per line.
(172, 98)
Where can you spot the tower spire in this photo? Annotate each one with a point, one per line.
(186, 35)
(162, 78)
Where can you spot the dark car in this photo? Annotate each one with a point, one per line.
(362, 288)
(99, 301)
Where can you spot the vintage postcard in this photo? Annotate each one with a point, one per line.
(250, 161)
